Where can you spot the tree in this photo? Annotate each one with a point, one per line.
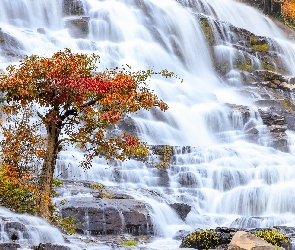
(49, 103)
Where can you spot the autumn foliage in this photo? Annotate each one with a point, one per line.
(288, 12)
(51, 102)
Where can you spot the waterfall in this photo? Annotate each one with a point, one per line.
(225, 178)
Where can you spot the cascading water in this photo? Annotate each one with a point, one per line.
(227, 180)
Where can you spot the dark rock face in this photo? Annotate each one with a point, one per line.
(9, 246)
(41, 31)
(13, 229)
(109, 216)
(109, 211)
(9, 46)
(49, 246)
(181, 209)
(78, 26)
(264, 78)
(73, 8)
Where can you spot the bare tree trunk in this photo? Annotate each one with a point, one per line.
(46, 176)
(267, 7)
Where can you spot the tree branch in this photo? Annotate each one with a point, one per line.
(91, 102)
(74, 111)
(41, 116)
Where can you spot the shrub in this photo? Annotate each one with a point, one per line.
(15, 195)
(204, 239)
(273, 237)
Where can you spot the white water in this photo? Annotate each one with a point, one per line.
(226, 180)
(33, 230)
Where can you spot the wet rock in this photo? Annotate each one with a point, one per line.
(246, 241)
(275, 118)
(181, 209)
(248, 49)
(15, 229)
(265, 75)
(9, 246)
(109, 216)
(269, 103)
(180, 235)
(41, 31)
(188, 179)
(78, 26)
(50, 246)
(270, 79)
(73, 7)
(10, 47)
(243, 110)
(252, 131)
(163, 177)
(128, 125)
(271, 118)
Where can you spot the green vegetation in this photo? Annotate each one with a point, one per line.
(57, 183)
(243, 65)
(273, 236)
(260, 47)
(288, 105)
(165, 152)
(17, 198)
(129, 243)
(207, 29)
(204, 239)
(100, 187)
(68, 224)
(268, 66)
(14, 195)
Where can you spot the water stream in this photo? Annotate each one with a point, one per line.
(227, 180)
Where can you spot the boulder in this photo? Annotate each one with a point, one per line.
(246, 241)
(78, 26)
(109, 216)
(181, 209)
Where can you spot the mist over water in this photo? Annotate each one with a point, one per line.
(227, 180)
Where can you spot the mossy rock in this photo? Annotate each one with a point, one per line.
(207, 29)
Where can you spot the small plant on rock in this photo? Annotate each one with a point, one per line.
(204, 239)
(129, 243)
(67, 224)
(273, 237)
